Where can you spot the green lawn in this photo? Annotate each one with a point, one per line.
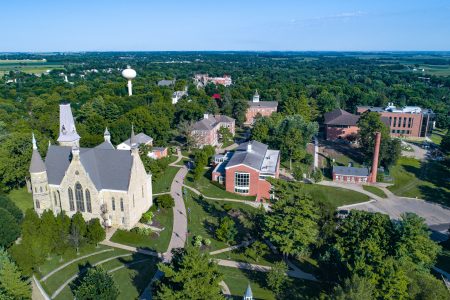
(205, 214)
(131, 280)
(238, 255)
(238, 280)
(163, 183)
(333, 195)
(152, 242)
(437, 135)
(374, 190)
(443, 261)
(204, 185)
(21, 198)
(426, 180)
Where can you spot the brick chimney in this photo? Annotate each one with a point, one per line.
(376, 154)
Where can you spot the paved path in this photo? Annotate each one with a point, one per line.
(260, 268)
(225, 289)
(417, 153)
(179, 230)
(436, 216)
(72, 261)
(129, 248)
(243, 244)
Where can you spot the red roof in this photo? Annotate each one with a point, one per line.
(216, 96)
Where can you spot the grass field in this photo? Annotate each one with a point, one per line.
(163, 183)
(204, 185)
(334, 196)
(27, 66)
(153, 242)
(437, 135)
(205, 215)
(238, 280)
(238, 255)
(21, 198)
(424, 180)
(374, 190)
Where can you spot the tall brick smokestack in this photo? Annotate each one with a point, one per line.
(376, 154)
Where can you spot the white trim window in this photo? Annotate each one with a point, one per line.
(241, 182)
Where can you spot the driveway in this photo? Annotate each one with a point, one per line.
(417, 153)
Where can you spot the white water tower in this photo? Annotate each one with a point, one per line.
(129, 74)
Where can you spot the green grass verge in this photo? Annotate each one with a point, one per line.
(163, 183)
(237, 280)
(426, 180)
(437, 135)
(22, 198)
(205, 215)
(153, 241)
(374, 190)
(238, 255)
(333, 195)
(204, 185)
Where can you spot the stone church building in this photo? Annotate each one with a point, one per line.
(101, 182)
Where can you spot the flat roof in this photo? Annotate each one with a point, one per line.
(350, 171)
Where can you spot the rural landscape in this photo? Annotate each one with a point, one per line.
(224, 174)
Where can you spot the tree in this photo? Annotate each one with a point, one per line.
(225, 135)
(96, 284)
(48, 233)
(10, 230)
(10, 206)
(445, 143)
(277, 276)
(300, 106)
(355, 288)
(256, 250)
(77, 230)
(191, 275)
(95, 231)
(165, 201)
(226, 232)
(62, 232)
(291, 224)
(12, 284)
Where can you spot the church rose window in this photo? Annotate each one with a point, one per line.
(79, 197)
(71, 204)
(88, 201)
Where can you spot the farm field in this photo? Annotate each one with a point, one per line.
(27, 66)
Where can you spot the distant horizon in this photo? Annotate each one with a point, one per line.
(201, 25)
(218, 51)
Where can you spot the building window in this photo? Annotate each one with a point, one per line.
(404, 122)
(123, 220)
(409, 122)
(121, 204)
(88, 201)
(395, 121)
(79, 197)
(55, 199)
(71, 204)
(35, 189)
(113, 203)
(241, 182)
(142, 191)
(40, 189)
(38, 205)
(59, 198)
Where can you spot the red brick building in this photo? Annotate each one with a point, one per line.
(263, 108)
(350, 174)
(206, 131)
(158, 152)
(409, 121)
(245, 172)
(340, 124)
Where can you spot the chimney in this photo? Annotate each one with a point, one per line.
(249, 147)
(205, 116)
(376, 153)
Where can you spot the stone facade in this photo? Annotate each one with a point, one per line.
(262, 108)
(76, 185)
(206, 131)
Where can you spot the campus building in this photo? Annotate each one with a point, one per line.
(262, 108)
(340, 124)
(201, 80)
(245, 170)
(350, 174)
(409, 121)
(206, 131)
(101, 182)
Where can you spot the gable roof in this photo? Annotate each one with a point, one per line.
(352, 171)
(105, 145)
(252, 158)
(140, 138)
(107, 168)
(263, 104)
(340, 117)
(166, 82)
(211, 122)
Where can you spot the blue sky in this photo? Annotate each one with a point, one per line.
(100, 25)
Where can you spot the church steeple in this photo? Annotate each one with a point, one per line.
(37, 164)
(256, 96)
(133, 143)
(107, 135)
(68, 135)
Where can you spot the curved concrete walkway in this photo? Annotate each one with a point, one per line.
(225, 289)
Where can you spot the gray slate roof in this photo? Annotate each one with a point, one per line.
(263, 104)
(37, 164)
(211, 122)
(140, 138)
(105, 145)
(166, 82)
(352, 171)
(253, 158)
(67, 130)
(108, 169)
(248, 293)
(340, 117)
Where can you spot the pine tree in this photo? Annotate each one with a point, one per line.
(96, 284)
(12, 286)
(95, 231)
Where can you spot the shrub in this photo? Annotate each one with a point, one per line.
(141, 230)
(198, 241)
(207, 242)
(226, 232)
(147, 217)
(227, 207)
(317, 175)
(165, 201)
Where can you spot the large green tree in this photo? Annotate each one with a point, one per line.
(191, 275)
(96, 284)
(12, 283)
(10, 230)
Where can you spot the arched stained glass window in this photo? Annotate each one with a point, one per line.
(71, 204)
(88, 201)
(79, 197)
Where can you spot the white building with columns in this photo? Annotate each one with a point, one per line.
(100, 182)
